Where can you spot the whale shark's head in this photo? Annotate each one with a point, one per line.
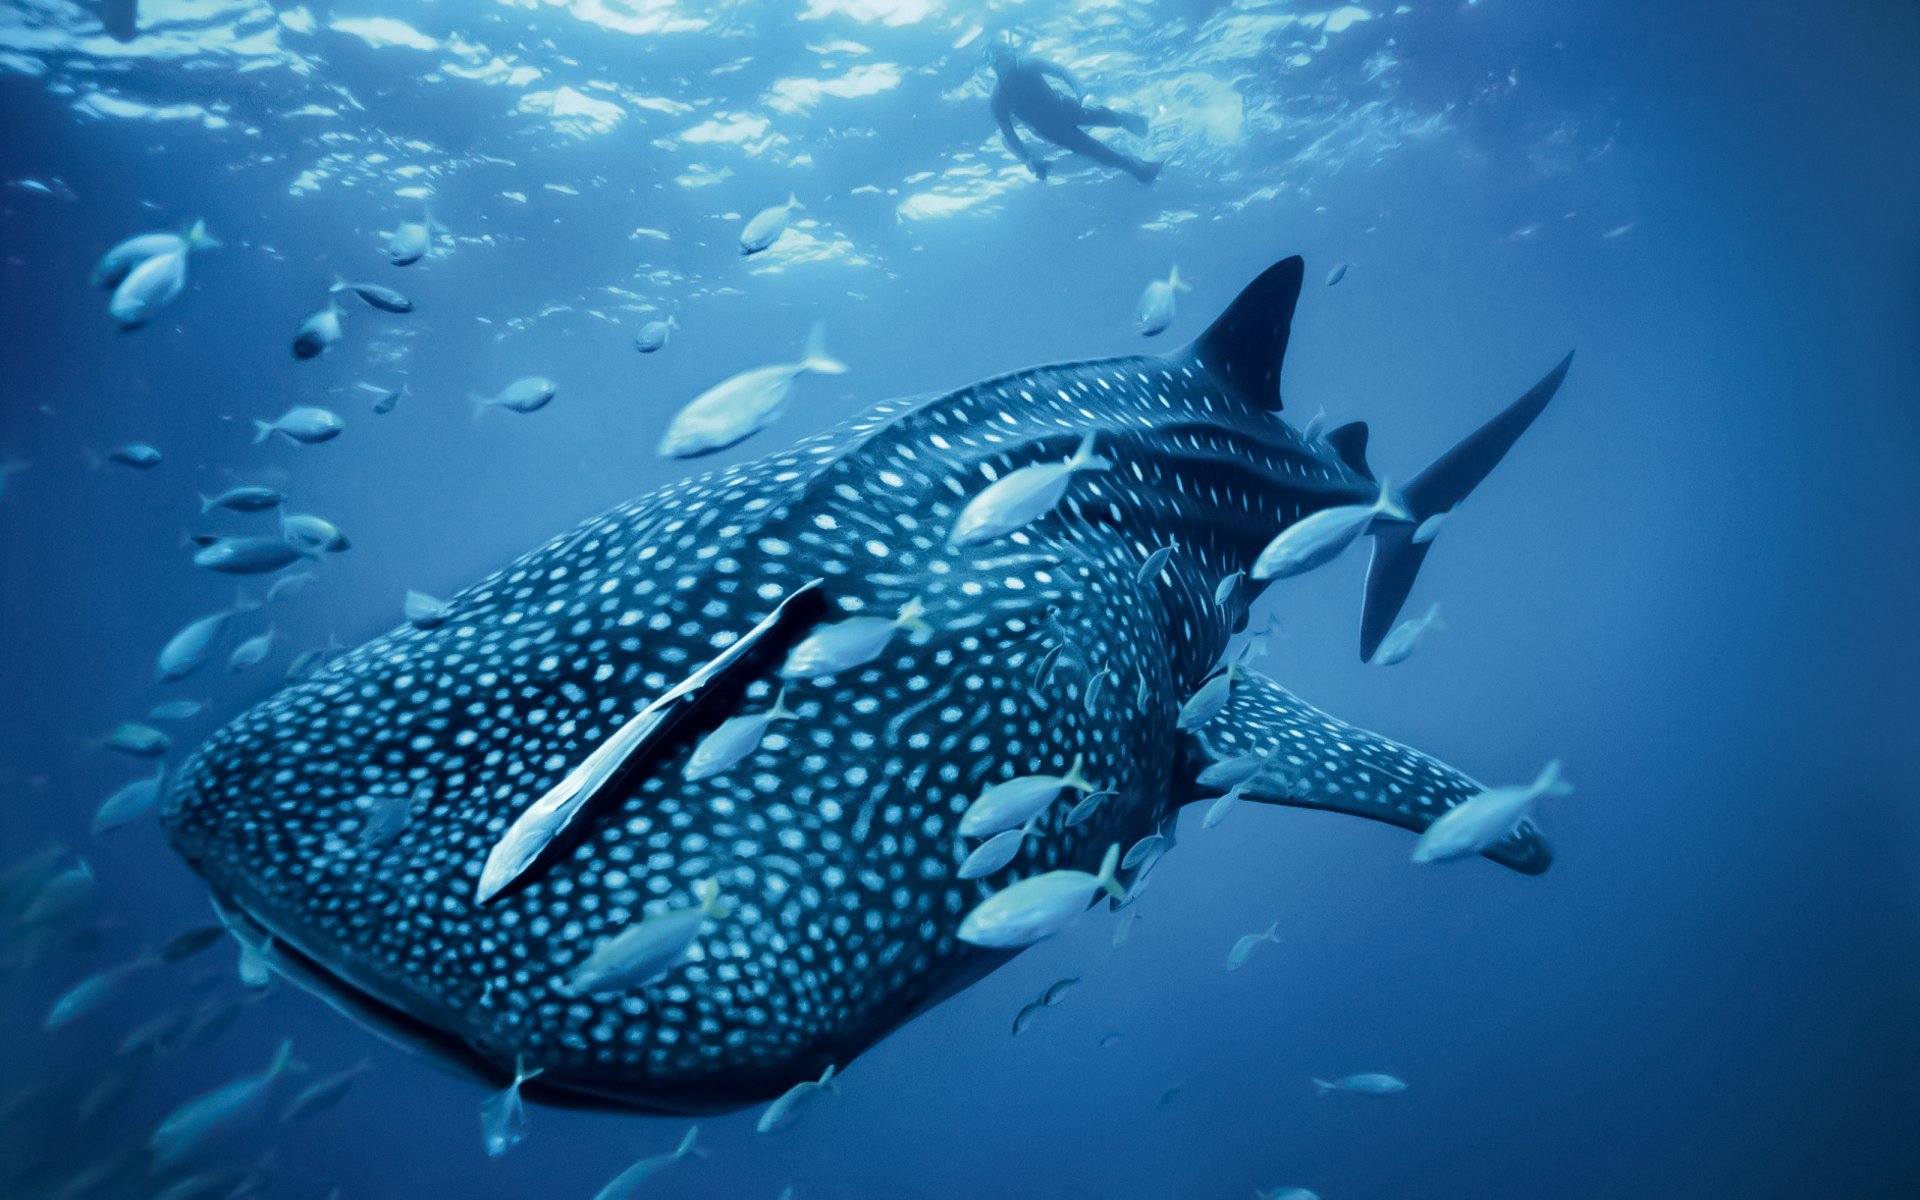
(349, 816)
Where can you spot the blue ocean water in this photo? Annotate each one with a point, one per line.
(1691, 580)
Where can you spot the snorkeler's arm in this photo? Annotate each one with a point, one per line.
(1007, 132)
(1047, 67)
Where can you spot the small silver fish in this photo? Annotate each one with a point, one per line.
(742, 405)
(503, 1115)
(176, 710)
(1088, 805)
(246, 498)
(1023, 1020)
(1318, 539)
(1232, 772)
(1012, 802)
(1021, 497)
(1039, 906)
(1338, 273)
(1156, 563)
(139, 741)
(156, 281)
(424, 611)
(1208, 699)
(1058, 989)
(624, 1185)
(1043, 674)
(1156, 308)
(643, 952)
(389, 815)
(383, 298)
(304, 424)
(766, 226)
(996, 852)
(653, 335)
(320, 330)
(251, 652)
(1487, 817)
(734, 739)
(854, 642)
(138, 455)
(783, 1112)
(1371, 1083)
(1146, 849)
(311, 535)
(252, 966)
(93, 993)
(1237, 957)
(246, 555)
(385, 399)
(1428, 529)
(323, 1094)
(187, 651)
(1405, 638)
(527, 395)
(129, 802)
(411, 241)
(61, 896)
(199, 1123)
(116, 264)
(1093, 687)
(287, 585)
(1218, 810)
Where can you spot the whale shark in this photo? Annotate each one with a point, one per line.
(437, 829)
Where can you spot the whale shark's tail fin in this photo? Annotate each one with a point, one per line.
(1246, 344)
(1436, 490)
(1316, 761)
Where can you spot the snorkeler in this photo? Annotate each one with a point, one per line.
(1022, 92)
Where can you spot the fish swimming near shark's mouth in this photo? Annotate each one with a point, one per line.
(441, 826)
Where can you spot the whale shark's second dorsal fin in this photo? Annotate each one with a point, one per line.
(1245, 345)
(1320, 762)
(1350, 443)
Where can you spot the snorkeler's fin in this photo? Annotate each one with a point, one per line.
(120, 19)
(1396, 556)
(1318, 762)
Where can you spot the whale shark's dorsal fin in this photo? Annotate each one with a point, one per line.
(541, 823)
(1245, 345)
(1323, 763)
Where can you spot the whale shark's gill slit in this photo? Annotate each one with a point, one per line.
(537, 832)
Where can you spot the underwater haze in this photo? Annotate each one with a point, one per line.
(471, 274)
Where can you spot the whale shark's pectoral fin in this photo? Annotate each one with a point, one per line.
(1317, 761)
(541, 823)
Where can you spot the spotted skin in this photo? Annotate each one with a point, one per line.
(834, 841)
